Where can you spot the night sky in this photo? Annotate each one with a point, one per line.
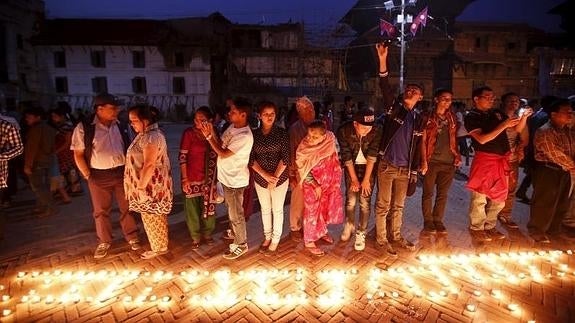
(313, 12)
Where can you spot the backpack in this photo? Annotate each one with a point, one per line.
(90, 132)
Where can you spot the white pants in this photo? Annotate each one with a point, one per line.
(272, 208)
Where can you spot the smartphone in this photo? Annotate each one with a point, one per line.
(521, 111)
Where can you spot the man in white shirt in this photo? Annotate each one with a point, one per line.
(99, 146)
(233, 173)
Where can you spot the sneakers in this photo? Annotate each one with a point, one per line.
(506, 221)
(429, 227)
(135, 244)
(479, 235)
(229, 235)
(359, 241)
(101, 250)
(404, 243)
(347, 230)
(386, 246)
(235, 251)
(540, 238)
(440, 228)
(494, 234)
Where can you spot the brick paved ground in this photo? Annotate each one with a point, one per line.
(445, 279)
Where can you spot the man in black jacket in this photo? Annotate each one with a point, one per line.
(399, 154)
(358, 146)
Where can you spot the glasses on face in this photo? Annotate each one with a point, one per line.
(488, 97)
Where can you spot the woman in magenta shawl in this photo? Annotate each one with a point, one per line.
(320, 173)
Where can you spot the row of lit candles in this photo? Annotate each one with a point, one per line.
(338, 278)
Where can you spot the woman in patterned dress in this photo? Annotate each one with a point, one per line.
(319, 172)
(148, 178)
(199, 177)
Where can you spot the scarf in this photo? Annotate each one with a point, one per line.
(308, 156)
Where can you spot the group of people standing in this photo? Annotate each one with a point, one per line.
(393, 151)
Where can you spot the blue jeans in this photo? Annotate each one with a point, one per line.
(234, 198)
(351, 201)
(392, 185)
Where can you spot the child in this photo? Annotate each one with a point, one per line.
(319, 173)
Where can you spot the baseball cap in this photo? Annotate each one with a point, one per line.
(365, 117)
(106, 98)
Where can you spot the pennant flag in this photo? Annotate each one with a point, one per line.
(421, 19)
(386, 28)
(413, 28)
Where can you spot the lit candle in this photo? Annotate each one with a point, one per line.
(471, 307)
(395, 294)
(153, 298)
(477, 292)
(49, 299)
(496, 293)
(21, 274)
(166, 299)
(6, 312)
(513, 307)
(24, 299)
(5, 298)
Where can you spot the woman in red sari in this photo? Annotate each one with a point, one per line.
(320, 173)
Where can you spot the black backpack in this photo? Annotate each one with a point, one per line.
(90, 132)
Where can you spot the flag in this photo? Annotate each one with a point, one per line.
(386, 28)
(421, 19)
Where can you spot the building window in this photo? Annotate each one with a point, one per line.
(61, 84)
(139, 85)
(19, 41)
(138, 59)
(179, 85)
(60, 59)
(179, 59)
(99, 84)
(98, 58)
(477, 42)
(24, 81)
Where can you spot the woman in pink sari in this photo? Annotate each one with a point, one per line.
(320, 173)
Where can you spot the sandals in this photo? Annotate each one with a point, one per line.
(195, 245)
(315, 251)
(265, 245)
(327, 238)
(209, 240)
(152, 254)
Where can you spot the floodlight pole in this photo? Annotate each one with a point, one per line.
(402, 41)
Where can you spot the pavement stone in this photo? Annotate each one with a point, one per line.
(511, 280)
